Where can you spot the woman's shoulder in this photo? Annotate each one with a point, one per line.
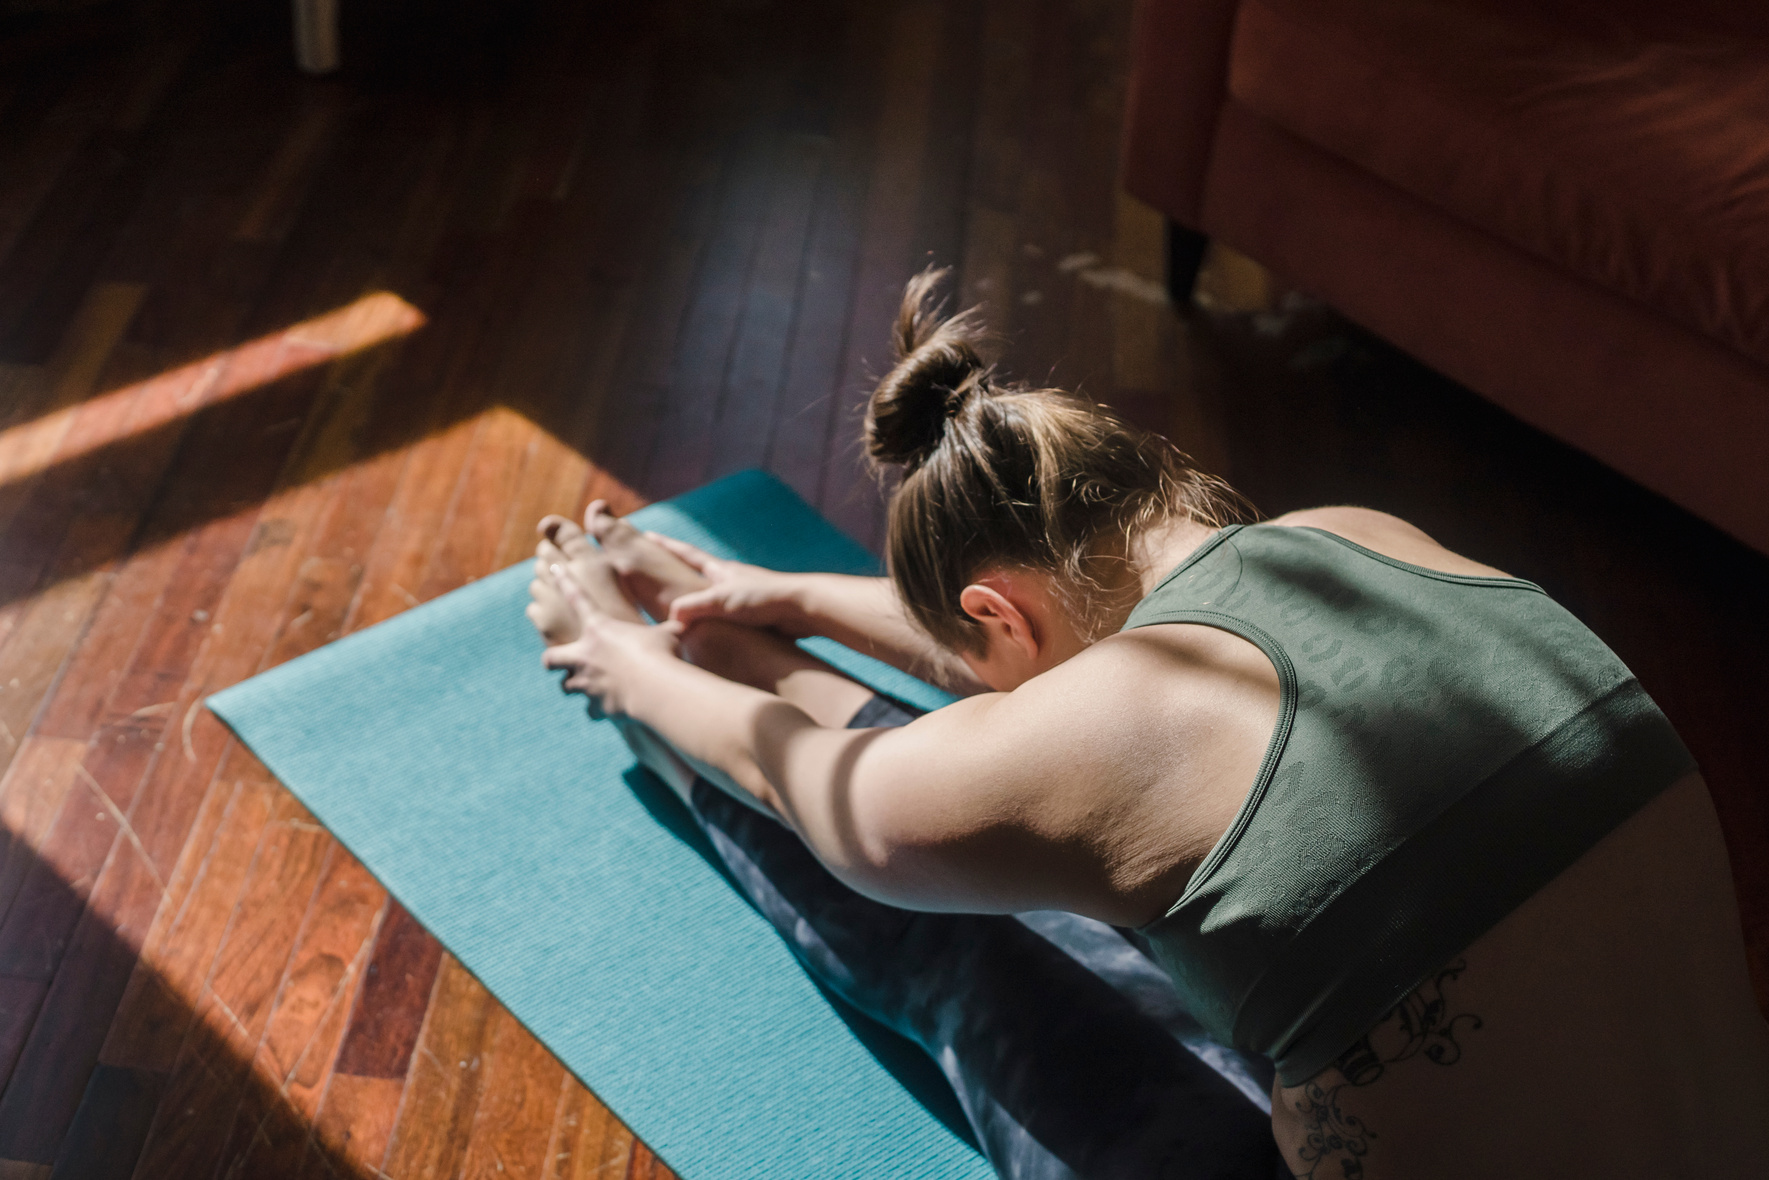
(1388, 535)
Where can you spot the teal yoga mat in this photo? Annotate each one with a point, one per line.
(574, 886)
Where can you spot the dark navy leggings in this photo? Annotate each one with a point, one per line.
(1068, 1050)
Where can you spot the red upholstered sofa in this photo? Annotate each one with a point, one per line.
(1563, 205)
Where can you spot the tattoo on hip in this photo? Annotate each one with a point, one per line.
(1335, 1141)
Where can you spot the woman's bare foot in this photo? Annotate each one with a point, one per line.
(632, 568)
(652, 576)
(564, 551)
(563, 544)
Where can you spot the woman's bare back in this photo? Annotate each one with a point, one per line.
(1605, 1028)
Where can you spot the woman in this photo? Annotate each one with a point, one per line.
(1386, 815)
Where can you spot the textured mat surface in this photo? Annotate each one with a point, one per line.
(519, 832)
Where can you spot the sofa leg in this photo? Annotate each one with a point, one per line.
(316, 35)
(1185, 255)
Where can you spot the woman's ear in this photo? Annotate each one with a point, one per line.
(1006, 627)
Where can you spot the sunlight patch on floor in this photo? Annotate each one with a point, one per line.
(70, 431)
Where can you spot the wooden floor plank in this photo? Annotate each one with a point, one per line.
(553, 481)
(323, 591)
(181, 623)
(937, 235)
(683, 447)
(1095, 42)
(72, 373)
(154, 70)
(249, 459)
(65, 1042)
(243, 980)
(92, 817)
(250, 614)
(395, 568)
(609, 232)
(520, 1103)
(300, 1039)
(151, 1011)
(747, 404)
(177, 962)
(643, 1165)
(811, 407)
(112, 1121)
(1049, 234)
(20, 1001)
(442, 1093)
(108, 648)
(51, 623)
(396, 990)
(308, 1023)
(587, 1141)
(281, 186)
(54, 130)
(57, 258)
(250, 964)
(989, 258)
(627, 432)
(31, 796)
(25, 391)
(469, 535)
(888, 253)
(353, 1126)
(62, 172)
(53, 895)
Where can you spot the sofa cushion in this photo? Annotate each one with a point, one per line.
(1674, 409)
(1623, 142)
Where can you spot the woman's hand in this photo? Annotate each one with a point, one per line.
(739, 593)
(610, 657)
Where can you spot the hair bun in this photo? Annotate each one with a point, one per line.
(938, 369)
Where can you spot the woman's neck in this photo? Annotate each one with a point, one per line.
(1158, 550)
(1128, 574)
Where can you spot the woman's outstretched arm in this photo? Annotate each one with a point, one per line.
(862, 613)
(989, 805)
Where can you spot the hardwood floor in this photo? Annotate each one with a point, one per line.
(282, 357)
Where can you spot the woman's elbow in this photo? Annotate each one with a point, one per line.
(893, 862)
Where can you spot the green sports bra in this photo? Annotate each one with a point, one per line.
(1445, 746)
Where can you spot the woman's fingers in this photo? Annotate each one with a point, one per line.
(572, 659)
(697, 558)
(697, 604)
(573, 593)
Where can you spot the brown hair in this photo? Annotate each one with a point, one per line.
(994, 473)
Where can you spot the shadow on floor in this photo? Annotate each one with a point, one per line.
(164, 1089)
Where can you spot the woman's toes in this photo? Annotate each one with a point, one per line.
(625, 545)
(652, 575)
(615, 535)
(570, 540)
